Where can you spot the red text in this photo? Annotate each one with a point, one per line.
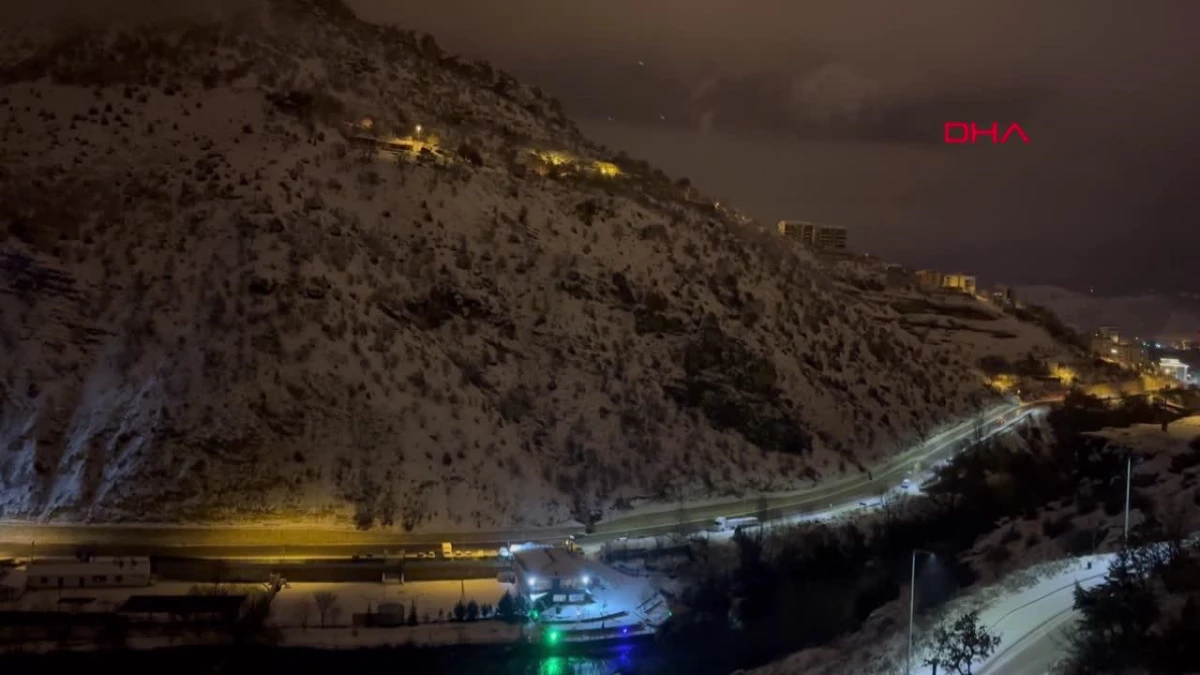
(969, 132)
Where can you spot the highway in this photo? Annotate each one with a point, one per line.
(20, 539)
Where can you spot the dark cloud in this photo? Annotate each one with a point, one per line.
(834, 111)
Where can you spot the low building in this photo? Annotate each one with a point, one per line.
(959, 282)
(929, 279)
(552, 573)
(933, 280)
(90, 573)
(1174, 368)
(815, 235)
(1002, 296)
(198, 609)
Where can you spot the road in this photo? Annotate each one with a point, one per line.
(1033, 624)
(1036, 652)
(23, 539)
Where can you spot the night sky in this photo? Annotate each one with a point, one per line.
(833, 111)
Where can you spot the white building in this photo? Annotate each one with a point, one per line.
(1174, 368)
(556, 572)
(92, 573)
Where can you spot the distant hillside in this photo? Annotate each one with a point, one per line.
(1146, 316)
(293, 264)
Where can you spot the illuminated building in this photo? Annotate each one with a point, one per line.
(932, 279)
(1174, 368)
(959, 282)
(556, 574)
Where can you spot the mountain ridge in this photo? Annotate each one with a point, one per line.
(319, 268)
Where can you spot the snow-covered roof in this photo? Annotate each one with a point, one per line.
(97, 566)
(550, 562)
(1150, 438)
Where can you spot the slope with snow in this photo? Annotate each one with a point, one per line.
(237, 281)
(1030, 604)
(1145, 316)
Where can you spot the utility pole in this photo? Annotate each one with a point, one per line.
(912, 602)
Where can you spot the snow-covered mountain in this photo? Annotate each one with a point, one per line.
(1145, 316)
(288, 263)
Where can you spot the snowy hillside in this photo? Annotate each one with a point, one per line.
(1145, 316)
(1044, 554)
(314, 268)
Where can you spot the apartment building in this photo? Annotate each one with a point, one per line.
(815, 235)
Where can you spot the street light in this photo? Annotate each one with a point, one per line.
(912, 600)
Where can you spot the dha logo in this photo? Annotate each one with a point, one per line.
(968, 132)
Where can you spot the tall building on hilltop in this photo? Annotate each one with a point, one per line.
(929, 279)
(959, 282)
(815, 235)
(933, 280)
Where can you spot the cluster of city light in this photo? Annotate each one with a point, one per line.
(1065, 374)
(1004, 382)
(607, 169)
(555, 158)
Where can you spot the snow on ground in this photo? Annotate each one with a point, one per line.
(1172, 492)
(835, 514)
(1015, 615)
(285, 326)
(1151, 439)
(295, 606)
(1035, 598)
(614, 592)
(106, 599)
(881, 646)
(1145, 316)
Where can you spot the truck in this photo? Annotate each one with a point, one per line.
(723, 523)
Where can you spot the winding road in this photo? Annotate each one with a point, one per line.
(24, 538)
(1034, 634)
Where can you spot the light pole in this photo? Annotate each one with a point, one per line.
(912, 603)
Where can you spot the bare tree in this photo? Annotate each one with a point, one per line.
(960, 644)
(326, 602)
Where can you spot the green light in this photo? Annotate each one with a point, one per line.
(552, 636)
